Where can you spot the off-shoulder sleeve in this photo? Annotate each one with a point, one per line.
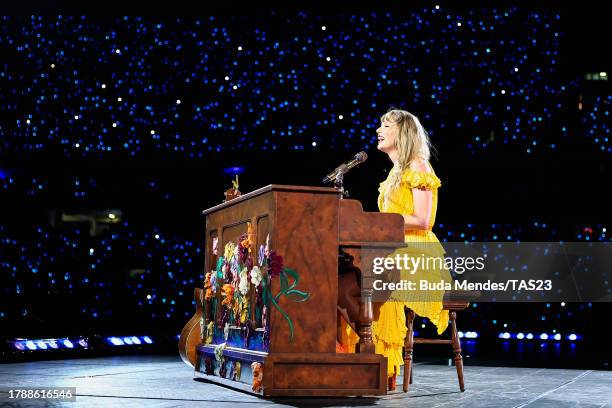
(419, 179)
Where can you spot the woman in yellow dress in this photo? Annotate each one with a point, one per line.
(411, 189)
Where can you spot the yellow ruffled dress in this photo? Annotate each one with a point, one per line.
(389, 324)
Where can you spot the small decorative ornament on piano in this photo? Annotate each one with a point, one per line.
(257, 369)
(232, 192)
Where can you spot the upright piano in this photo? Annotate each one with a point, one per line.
(283, 266)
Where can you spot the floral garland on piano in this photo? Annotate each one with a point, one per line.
(236, 274)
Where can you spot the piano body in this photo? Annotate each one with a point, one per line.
(282, 342)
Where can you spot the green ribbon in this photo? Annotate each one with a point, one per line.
(285, 290)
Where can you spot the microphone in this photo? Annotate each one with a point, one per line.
(344, 167)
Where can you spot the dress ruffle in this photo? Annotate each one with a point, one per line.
(420, 179)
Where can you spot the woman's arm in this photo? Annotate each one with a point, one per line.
(423, 201)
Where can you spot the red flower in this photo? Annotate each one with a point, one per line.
(275, 264)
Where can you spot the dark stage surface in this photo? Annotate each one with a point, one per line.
(164, 381)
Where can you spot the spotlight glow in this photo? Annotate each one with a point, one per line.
(116, 341)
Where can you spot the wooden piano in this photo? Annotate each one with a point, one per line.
(267, 325)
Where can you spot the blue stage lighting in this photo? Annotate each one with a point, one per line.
(147, 340)
(115, 341)
(68, 344)
(233, 170)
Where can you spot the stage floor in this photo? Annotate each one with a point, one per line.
(164, 381)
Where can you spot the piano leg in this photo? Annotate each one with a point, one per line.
(366, 315)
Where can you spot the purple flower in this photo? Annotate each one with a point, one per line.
(225, 316)
(261, 255)
(213, 280)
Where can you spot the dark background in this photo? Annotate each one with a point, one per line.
(566, 188)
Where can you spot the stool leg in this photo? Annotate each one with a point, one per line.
(457, 350)
(408, 347)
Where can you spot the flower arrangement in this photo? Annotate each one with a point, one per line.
(236, 275)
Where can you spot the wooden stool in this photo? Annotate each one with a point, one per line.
(453, 302)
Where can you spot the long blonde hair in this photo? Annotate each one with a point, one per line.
(412, 142)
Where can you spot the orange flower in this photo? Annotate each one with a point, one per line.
(228, 293)
(248, 242)
(208, 287)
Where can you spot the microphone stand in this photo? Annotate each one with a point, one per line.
(338, 183)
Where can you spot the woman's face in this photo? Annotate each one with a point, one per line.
(387, 132)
